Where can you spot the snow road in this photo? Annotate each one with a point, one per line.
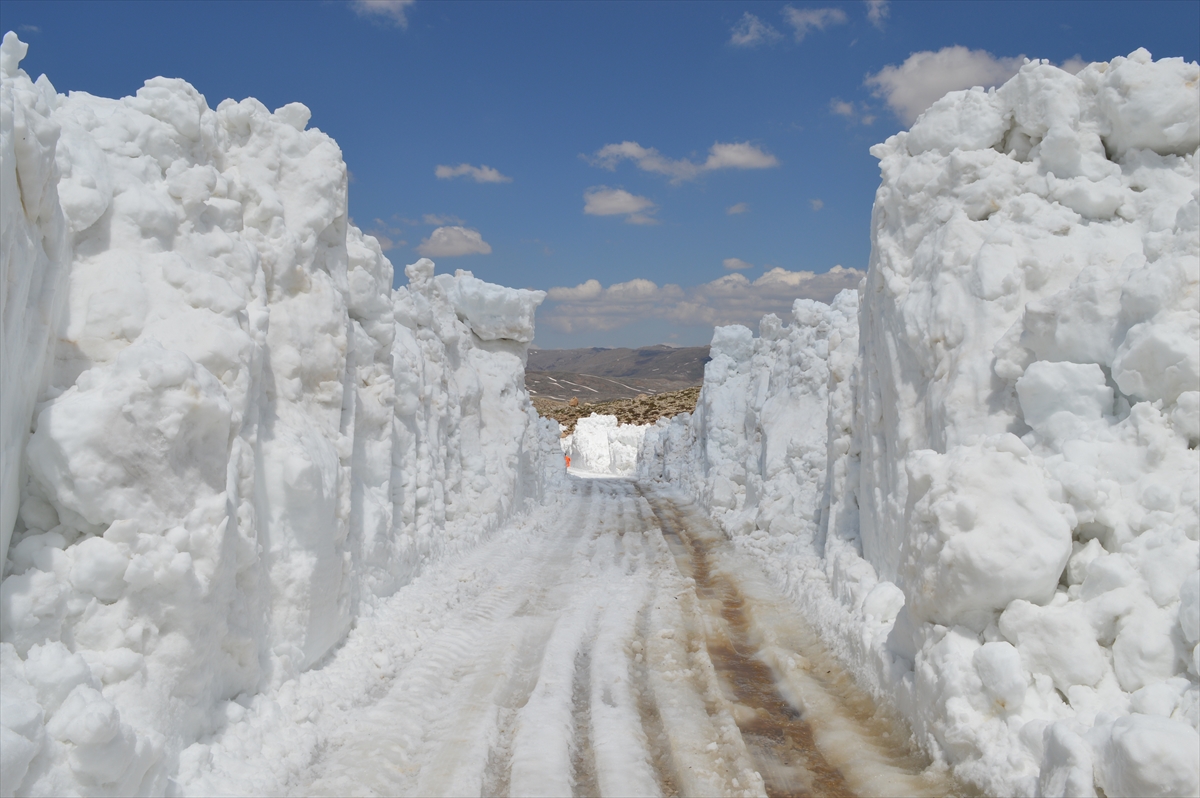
(613, 644)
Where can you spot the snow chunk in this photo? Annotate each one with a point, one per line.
(492, 312)
(1148, 755)
(153, 411)
(967, 120)
(1003, 677)
(1077, 389)
(983, 532)
(1150, 105)
(1159, 360)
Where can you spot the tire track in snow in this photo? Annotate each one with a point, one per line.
(550, 746)
(810, 729)
(498, 772)
(583, 760)
(433, 733)
(780, 740)
(613, 647)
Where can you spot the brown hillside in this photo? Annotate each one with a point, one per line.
(642, 409)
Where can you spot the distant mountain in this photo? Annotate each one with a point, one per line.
(598, 375)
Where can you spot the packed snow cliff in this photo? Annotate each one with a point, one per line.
(979, 475)
(224, 434)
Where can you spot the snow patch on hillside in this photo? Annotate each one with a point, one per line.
(983, 481)
(243, 437)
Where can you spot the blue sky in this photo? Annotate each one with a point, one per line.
(681, 151)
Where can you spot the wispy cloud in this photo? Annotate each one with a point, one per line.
(29, 29)
(388, 235)
(605, 201)
(394, 12)
(816, 204)
(731, 299)
(741, 207)
(877, 12)
(438, 220)
(850, 112)
(926, 76)
(733, 155)
(842, 108)
(451, 242)
(736, 264)
(804, 20)
(480, 174)
(750, 31)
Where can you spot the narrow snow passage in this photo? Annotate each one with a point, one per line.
(613, 644)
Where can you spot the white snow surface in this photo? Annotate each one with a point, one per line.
(599, 445)
(568, 655)
(979, 475)
(242, 437)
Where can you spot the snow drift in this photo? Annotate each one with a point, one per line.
(241, 435)
(600, 445)
(981, 478)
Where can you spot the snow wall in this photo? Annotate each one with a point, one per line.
(241, 435)
(981, 479)
(600, 445)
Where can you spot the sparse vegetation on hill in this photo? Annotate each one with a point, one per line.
(643, 409)
(604, 375)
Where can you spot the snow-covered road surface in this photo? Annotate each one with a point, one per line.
(611, 644)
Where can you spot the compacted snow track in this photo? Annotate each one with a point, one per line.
(613, 644)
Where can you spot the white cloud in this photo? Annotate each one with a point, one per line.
(584, 291)
(842, 108)
(731, 299)
(734, 155)
(734, 210)
(439, 220)
(846, 109)
(393, 11)
(388, 235)
(877, 12)
(1075, 64)
(742, 155)
(605, 201)
(385, 243)
(736, 264)
(450, 242)
(750, 31)
(816, 204)
(806, 19)
(480, 174)
(925, 77)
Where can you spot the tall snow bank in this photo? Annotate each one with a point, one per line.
(599, 445)
(244, 436)
(34, 253)
(1000, 529)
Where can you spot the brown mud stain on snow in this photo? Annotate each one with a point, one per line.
(781, 726)
(775, 733)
